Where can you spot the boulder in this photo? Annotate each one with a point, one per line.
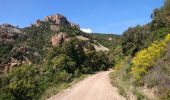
(38, 23)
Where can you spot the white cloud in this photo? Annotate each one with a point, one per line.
(86, 30)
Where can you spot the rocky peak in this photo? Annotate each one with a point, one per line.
(57, 19)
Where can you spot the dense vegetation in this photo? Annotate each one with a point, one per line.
(149, 68)
(139, 37)
(142, 60)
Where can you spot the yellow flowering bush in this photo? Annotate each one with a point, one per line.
(145, 59)
(167, 39)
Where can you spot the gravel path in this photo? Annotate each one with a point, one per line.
(95, 87)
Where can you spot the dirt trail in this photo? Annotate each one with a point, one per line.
(95, 87)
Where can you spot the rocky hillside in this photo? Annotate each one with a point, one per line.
(10, 36)
(50, 52)
(30, 44)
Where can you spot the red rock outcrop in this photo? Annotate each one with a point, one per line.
(58, 39)
(57, 19)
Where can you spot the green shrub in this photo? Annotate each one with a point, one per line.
(61, 76)
(63, 62)
(22, 82)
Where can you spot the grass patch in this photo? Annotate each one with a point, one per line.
(122, 87)
(138, 94)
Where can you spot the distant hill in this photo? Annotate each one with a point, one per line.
(107, 40)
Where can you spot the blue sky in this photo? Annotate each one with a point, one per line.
(104, 16)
